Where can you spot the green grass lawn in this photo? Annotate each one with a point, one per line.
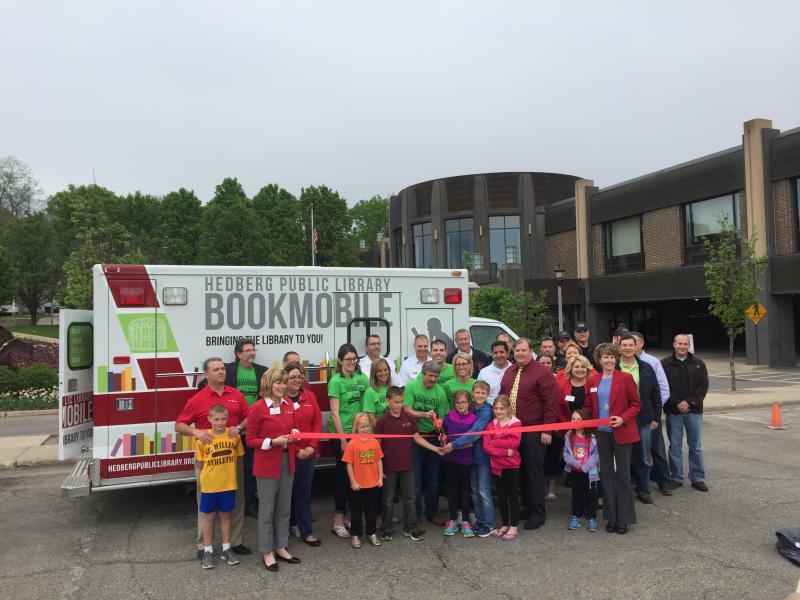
(50, 331)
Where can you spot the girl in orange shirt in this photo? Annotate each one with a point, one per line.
(365, 470)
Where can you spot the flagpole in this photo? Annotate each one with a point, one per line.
(313, 249)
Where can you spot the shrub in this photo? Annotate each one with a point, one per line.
(9, 380)
(37, 377)
(30, 400)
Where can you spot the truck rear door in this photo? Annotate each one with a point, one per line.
(75, 394)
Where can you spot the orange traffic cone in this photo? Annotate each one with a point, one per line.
(776, 422)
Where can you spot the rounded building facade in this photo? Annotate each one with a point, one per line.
(491, 223)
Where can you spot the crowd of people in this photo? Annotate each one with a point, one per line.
(453, 419)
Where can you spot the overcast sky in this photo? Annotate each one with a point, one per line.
(369, 97)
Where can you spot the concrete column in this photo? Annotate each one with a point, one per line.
(528, 234)
(438, 208)
(480, 207)
(583, 230)
(406, 201)
(771, 342)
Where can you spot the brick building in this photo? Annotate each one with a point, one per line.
(632, 252)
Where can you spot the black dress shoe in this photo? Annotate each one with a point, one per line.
(313, 543)
(292, 560)
(273, 567)
(611, 527)
(531, 525)
(242, 549)
(622, 529)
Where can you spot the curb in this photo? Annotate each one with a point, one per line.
(10, 414)
(744, 405)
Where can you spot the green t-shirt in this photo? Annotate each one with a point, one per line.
(446, 375)
(246, 383)
(350, 392)
(452, 386)
(420, 399)
(375, 401)
(633, 370)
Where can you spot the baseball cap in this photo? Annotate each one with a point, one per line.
(580, 325)
(563, 335)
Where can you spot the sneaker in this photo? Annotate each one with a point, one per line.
(229, 557)
(387, 535)
(295, 531)
(208, 560)
(591, 525)
(466, 529)
(375, 540)
(414, 534)
(355, 542)
(482, 530)
(450, 528)
(574, 522)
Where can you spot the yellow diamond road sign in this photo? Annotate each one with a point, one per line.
(756, 312)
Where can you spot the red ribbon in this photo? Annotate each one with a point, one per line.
(588, 424)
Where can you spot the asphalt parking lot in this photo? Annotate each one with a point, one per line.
(139, 543)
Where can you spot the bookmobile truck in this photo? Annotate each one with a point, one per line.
(128, 365)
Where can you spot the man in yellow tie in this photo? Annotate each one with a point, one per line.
(534, 400)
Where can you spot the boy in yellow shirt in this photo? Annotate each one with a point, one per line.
(218, 483)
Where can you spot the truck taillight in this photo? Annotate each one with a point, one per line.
(452, 296)
(131, 296)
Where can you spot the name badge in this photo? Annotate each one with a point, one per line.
(275, 410)
(592, 390)
(569, 398)
(296, 405)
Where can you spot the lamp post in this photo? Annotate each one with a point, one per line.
(559, 273)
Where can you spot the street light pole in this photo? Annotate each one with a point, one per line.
(559, 273)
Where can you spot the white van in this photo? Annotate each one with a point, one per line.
(129, 364)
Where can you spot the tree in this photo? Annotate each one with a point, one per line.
(229, 233)
(527, 314)
(732, 281)
(337, 245)
(179, 227)
(19, 191)
(277, 211)
(8, 281)
(370, 218)
(488, 302)
(30, 245)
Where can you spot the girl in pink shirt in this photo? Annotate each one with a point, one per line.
(502, 446)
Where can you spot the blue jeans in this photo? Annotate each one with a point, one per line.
(301, 495)
(660, 469)
(481, 484)
(693, 422)
(641, 462)
(426, 476)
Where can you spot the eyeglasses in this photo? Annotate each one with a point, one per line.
(350, 359)
(295, 378)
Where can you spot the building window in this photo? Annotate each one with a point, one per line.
(702, 222)
(460, 241)
(504, 246)
(422, 245)
(624, 245)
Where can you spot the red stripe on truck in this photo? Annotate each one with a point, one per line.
(119, 276)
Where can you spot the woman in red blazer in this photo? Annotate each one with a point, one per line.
(613, 395)
(307, 418)
(273, 466)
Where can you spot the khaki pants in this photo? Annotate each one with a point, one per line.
(237, 515)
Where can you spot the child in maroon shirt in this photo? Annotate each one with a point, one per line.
(398, 466)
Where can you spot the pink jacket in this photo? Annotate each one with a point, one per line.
(496, 445)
